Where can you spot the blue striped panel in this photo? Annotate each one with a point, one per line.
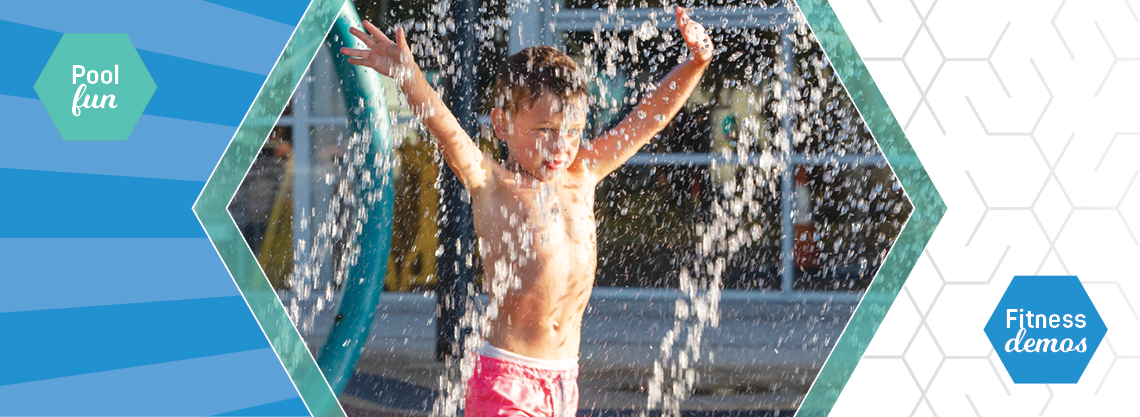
(189, 29)
(194, 387)
(115, 359)
(56, 204)
(47, 344)
(159, 147)
(291, 407)
(287, 12)
(63, 273)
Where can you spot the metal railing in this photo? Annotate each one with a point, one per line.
(774, 17)
(579, 20)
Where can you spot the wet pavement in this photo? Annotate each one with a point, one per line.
(761, 359)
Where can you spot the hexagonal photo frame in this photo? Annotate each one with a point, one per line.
(211, 209)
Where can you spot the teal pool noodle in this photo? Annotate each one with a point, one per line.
(365, 281)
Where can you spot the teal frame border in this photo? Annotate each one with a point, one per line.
(223, 183)
(928, 208)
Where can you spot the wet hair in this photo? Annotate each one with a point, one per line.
(534, 71)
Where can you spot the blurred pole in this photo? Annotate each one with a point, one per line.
(531, 24)
(455, 267)
(787, 184)
(302, 170)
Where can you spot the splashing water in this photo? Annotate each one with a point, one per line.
(327, 236)
(785, 104)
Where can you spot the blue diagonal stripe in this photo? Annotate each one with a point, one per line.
(287, 12)
(233, 39)
(193, 387)
(56, 204)
(159, 147)
(94, 272)
(291, 407)
(33, 46)
(47, 344)
(192, 90)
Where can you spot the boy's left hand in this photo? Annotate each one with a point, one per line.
(695, 37)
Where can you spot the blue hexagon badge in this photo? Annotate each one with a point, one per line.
(1045, 329)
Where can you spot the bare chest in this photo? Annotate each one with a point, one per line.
(543, 223)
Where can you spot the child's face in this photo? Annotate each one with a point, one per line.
(543, 138)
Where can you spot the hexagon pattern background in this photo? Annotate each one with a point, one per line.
(1024, 114)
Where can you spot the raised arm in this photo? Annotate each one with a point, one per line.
(657, 108)
(395, 60)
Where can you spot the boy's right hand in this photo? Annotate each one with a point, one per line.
(393, 59)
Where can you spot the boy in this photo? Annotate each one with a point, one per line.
(534, 213)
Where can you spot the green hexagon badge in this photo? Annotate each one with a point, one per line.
(95, 86)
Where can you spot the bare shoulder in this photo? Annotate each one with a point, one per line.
(585, 166)
(488, 195)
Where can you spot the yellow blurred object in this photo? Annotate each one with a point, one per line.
(411, 262)
(276, 256)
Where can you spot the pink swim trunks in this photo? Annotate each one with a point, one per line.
(509, 384)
